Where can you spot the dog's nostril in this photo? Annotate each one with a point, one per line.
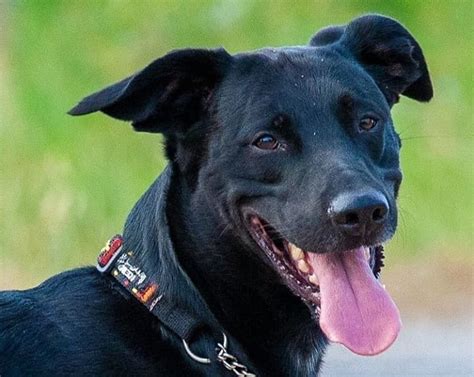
(351, 218)
(379, 214)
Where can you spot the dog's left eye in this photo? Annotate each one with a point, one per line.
(266, 142)
(367, 124)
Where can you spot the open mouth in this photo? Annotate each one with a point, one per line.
(341, 289)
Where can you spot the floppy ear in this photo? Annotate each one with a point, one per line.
(170, 94)
(387, 51)
(327, 36)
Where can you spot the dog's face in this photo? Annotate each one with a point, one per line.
(308, 139)
(295, 150)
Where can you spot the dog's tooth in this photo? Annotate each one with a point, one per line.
(303, 266)
(313, 279)
(367, 253)
(277, 251)
(296, 252)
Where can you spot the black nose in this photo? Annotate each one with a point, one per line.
(359, 214)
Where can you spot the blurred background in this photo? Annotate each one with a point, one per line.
(67, 184)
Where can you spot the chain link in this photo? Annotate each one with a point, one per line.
(231, 363)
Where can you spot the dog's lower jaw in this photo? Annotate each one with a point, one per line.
(273, 326)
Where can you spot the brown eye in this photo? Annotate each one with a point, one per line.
(266, 142)
(367, 124)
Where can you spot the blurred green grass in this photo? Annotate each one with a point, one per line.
(67, 184)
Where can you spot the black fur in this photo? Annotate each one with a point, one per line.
(211, 107)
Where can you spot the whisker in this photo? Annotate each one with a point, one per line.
(416, 137)
(223, 231)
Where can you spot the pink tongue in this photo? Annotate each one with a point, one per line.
(355, 309)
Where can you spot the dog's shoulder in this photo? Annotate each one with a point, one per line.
(38, 326)
(67, 293)
(39, 305)
(75, 323)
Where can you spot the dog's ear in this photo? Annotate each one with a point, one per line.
(387, 51)
(169, 95)
(327, 36)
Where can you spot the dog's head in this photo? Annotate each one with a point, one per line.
(295, 149)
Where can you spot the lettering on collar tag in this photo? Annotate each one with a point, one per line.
(125, 269)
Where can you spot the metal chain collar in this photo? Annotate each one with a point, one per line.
(231, 363)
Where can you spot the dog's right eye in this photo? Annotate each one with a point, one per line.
(266, 142)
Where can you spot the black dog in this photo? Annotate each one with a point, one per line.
(268, 150)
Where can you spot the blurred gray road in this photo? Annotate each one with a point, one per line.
(424, 348)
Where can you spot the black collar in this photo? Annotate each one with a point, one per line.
(125, 267)
(144, 262)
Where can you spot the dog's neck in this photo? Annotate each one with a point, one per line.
(272, 325)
